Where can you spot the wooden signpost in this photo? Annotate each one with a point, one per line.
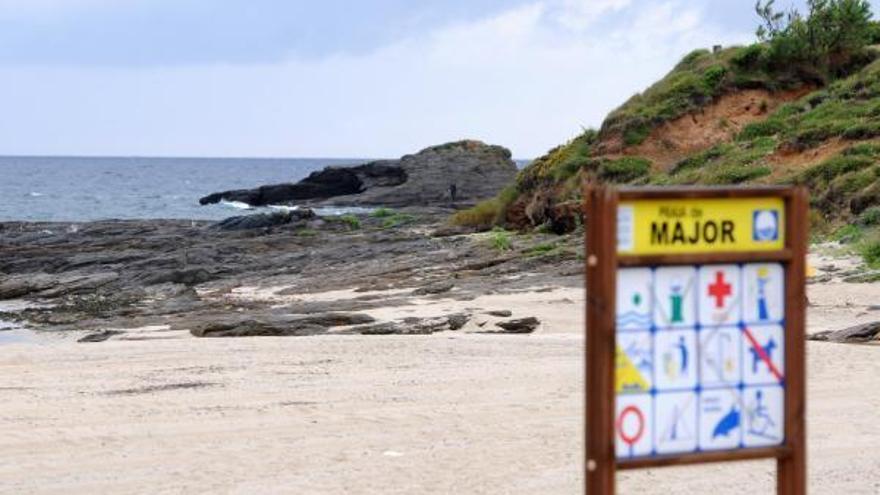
(695, 330)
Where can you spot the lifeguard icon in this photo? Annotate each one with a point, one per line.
(765, 226)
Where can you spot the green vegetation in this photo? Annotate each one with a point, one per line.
(842, 165)
(870, 217)
(728, 163)
(874, 33)
(542, 249)
(486, 214)
(847, 184)
(391, 218)
(382, 212)
(352, 221)
(698, 78)
(870, 251)
(561, 163)
(499, 239)
(307, 232)
(846, 234)
(824, 43)
(396, 220)
(624, 169)
(482, 216)
(847, 109)
(796, 50)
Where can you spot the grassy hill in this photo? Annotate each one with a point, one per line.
(736, 116)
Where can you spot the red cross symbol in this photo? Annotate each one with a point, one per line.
(719, 290)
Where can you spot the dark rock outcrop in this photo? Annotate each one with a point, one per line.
(436, 288)
(469, 170)
(522, 325)
(279, 326)
(323, 184)
(415, 326)
(99, 336)
(858, 334)
(501, 313)
(186, 276)
(265, 220)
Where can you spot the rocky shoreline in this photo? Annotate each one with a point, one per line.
(295, 273)
(258, 274)
(109, 276)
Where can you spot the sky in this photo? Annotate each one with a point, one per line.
(334, 78)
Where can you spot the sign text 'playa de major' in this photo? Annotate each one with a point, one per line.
(700, 225)
(704, 333)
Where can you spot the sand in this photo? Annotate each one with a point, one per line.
(445, 413)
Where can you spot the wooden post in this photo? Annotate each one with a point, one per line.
(791, 477)
(601, 254)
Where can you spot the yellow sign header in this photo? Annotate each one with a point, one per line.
(688, 226)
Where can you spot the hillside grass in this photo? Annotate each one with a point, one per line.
(843, 186)
(561, 163)
(695, 82)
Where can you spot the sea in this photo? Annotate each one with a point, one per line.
(79, 189)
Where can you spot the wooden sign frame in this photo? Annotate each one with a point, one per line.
(603, 261)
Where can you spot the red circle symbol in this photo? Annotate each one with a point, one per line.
(631, 439)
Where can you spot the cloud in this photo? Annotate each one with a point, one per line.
(522, 78)
(581, 14)
(528, 78)
(164, 33)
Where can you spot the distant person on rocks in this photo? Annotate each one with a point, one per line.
(452, 191)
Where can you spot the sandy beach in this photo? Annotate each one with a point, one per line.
(452, 412)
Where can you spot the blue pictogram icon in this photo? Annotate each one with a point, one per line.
(763, 355)
(761, 424)
(765, 225)
(727, 424)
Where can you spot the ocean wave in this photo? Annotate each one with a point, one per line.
(324, 211)
(34, 194)
(283, 207)
(238, 205)
(329, 211)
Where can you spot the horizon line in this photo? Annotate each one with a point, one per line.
(206, 157)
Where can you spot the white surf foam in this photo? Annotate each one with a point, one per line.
(238, 205)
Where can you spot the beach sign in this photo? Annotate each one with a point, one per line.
(695, 330)
(700, 225)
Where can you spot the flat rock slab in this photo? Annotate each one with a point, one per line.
(280, 326)
(265, 220)
(99, 336)
(438, 288)
(415, 326)
(500, 313)
(858, 334)
(520, 326)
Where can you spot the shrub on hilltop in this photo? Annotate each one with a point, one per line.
(827, 41)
